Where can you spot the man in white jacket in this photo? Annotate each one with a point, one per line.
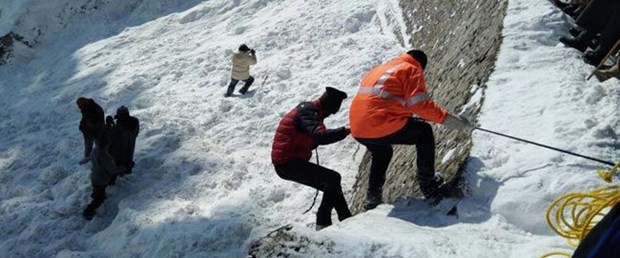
(241, 61)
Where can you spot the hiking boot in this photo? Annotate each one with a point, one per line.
(430, 188)
(574, 31)
(318, 227)
(88, 214)
(373, 199)
(84, 160)
(580, 42)
(593, 58)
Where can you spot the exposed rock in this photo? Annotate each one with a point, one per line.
(461, 39)
(6, 46)
(283, 242)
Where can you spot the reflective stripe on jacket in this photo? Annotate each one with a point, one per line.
(389, 94)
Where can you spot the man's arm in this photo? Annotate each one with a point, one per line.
(308, 121)
(417, 100)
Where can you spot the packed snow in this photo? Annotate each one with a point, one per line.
(204, 186)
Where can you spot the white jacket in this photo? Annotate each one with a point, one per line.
(241, 62)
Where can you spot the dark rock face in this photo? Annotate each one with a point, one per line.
(6, 45)
(461, 39)
(282, 242)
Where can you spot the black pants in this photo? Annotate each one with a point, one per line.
(98, 196)
(415, 132)
(88, 144)
(243, 90)
(323, 179)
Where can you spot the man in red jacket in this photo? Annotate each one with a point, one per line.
(300, 132)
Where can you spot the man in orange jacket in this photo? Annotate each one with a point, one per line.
(381, 115)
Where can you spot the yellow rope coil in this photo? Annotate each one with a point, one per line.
(608, 175)
(557, 253)
(573, 215)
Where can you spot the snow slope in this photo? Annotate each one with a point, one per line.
(203, 185)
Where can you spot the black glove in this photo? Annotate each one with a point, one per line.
(253, 51)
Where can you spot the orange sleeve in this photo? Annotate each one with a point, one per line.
(418, 101)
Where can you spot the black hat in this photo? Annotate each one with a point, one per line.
(332, 99)
(122, 111)
(244, 48)
(420, 56)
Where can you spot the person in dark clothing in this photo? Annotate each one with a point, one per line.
(102, 171)
(298, 133)
(124, 132)
(130, 128)
(90, 125)
(598, 17)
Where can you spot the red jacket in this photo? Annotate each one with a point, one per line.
(301, 131)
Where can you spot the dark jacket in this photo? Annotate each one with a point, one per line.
(301, 131)
(92, 119)
(123, 135)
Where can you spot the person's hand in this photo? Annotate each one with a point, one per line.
(347, 130)
(253, 51)
(457, 123)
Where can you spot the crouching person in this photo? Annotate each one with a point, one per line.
(103, 169)
(298, 133)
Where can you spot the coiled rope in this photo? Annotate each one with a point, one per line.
(573, 215)
(577, 213)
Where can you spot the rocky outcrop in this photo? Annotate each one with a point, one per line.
(283, 242)
(6, 46)
(461, 39)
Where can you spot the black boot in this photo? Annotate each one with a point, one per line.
(373, 199)
(593, 57)
(574, 31)
(246, 86)
(580, 42)
(88, 213)
(430, 188)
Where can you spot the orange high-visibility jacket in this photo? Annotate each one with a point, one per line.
(389, 94)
